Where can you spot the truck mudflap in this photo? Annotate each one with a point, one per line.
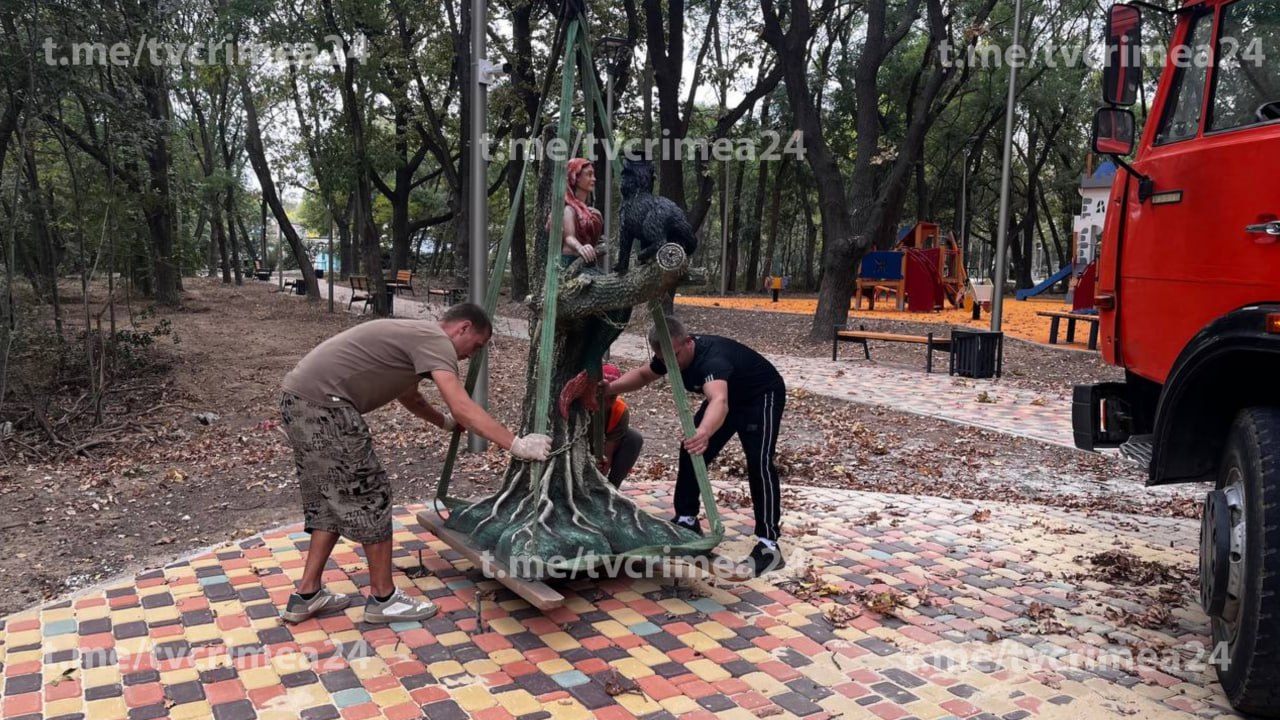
(1101, 415)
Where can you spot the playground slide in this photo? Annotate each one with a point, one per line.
(1052, 280)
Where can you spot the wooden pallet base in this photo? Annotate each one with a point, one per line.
(537, 593)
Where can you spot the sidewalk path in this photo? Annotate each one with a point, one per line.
(1004, 409)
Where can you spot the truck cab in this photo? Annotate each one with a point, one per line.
(1188, 297)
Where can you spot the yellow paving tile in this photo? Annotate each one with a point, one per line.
(286, 663)
(518, 702)
(506, 626)
(649, 655)
(698, 641)
(638, 704)
(626, 615)
(506, 656)
(473, 698)
(453, 638)
(707, 670)
(369, 667)
(714, 630)
(632, 668)
(560, 642)
(259, 678)
(680, 704)
(482, 667)
(676, 606)
(106, 675)
(612, 629)
(158, 615)
(445, 668)
(567, 709)
(181, 675)
(202, 633)
(109, 709)
(558, 665)
(391, 698)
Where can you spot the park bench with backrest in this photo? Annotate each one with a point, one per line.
(403, 280)
(840, 334)
(1057, 316)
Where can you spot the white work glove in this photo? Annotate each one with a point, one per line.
(531, 447)
(449, 423)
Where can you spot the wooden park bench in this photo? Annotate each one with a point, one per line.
(403, 280)
(447, 295)
(360, 284)
(840, 334)
(1057, 316)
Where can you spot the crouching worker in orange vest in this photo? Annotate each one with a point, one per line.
(622, 443)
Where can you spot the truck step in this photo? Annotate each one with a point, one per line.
(1138, 449)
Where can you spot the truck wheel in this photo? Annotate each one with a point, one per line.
(1240, 563)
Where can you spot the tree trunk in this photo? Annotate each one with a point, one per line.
(810, 242)
(258, 159)
(735, 202)
(158, 208)
(233, 239)
(775, 210)
(220, 238)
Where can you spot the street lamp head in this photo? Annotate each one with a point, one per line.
(615, 50)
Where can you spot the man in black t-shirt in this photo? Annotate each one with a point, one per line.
(745, 396)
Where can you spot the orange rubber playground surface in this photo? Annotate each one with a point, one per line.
(1020, 319)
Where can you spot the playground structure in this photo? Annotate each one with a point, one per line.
(924, 271)
(1081, 272)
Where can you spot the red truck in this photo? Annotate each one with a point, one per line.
(1188, 298)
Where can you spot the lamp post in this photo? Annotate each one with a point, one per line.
(1002, 236)
(477, 195)
(964, 199)
(615, 51)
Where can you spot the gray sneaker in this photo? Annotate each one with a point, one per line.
(299, 608)
(399, 608)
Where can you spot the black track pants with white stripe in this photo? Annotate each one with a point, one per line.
(756, 425)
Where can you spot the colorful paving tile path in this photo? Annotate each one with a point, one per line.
(996, 625)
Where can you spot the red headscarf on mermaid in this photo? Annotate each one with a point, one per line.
(589, 224)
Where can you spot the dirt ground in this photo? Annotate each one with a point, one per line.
(168, 484)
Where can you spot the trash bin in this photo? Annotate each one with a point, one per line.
(977, 353)
(319, 274)
(391, 297)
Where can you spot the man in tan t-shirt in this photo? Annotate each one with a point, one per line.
(345, 491)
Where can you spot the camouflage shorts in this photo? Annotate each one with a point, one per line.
(344, 488)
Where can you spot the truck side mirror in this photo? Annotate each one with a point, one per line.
(1123, 69)
(1113, 131)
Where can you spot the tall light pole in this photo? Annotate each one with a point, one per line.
(329, 259)
(1002, 236)
(964, 201)
(614, 50)
(477, 195)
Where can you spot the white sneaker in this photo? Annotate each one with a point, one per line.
(299, 609)
(399, 608)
